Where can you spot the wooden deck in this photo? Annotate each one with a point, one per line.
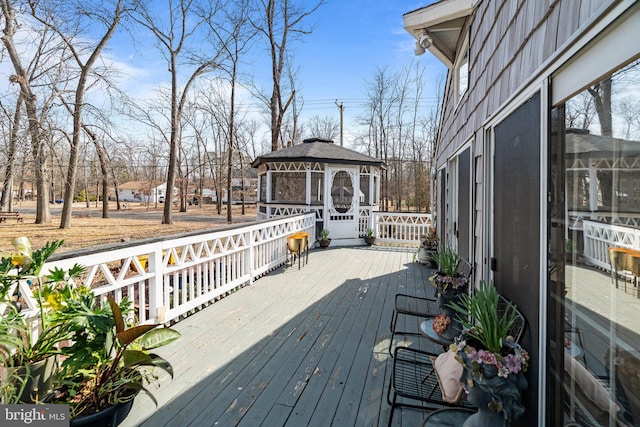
(297, 348)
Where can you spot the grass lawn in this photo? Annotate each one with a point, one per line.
(88, 228)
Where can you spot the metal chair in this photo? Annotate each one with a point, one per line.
(413, 377)
(413, 306)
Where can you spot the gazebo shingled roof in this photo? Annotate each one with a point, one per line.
(318, 150)
(581, 143)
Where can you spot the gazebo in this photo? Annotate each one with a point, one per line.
(340, 185)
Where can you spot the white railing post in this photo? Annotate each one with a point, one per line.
(250, 261)
(374, 224)
(155, 286)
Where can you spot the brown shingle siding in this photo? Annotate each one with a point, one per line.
(509, 41)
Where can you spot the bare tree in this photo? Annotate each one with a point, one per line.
(24, 75)
(13, 126)
(378, 121)
(281, 22)
(234, 39)
(184, 22)
(580, 111)
(67, 21)
(629, 109)
(323, 127)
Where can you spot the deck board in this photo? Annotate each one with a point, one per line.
(296, 347)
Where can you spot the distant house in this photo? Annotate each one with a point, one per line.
(132, 191)
(142, 191)
(534, 203)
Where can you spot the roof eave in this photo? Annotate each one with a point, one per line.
(443, 22)
(260, 161)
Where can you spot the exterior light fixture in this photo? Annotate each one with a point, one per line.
(423, 43)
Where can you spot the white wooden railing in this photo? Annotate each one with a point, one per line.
(172, 277)
(388, 227)
(403, 228)
(599, 237)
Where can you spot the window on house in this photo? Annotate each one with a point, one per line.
(462, 71)
(594, 251)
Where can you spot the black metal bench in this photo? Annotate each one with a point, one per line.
(8, 215)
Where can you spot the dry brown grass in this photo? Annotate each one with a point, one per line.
(88, 232)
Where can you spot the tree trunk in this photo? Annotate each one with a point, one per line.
(173, 146)
(43, 216)
(6, 203)
(65, 220)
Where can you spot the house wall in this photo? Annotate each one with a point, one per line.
(508, 42)
(514, 48)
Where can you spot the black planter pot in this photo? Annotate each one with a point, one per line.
(369, 240)
(110, 417)
(485, 417)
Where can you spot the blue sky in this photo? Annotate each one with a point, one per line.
(350, 41)
(352, 38)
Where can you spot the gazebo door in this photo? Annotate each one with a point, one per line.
(344, 191)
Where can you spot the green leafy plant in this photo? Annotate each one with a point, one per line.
(324, 234)
(369, 232)
(17, 345)
(22, 354)
(447, 260)
(481, 319)
(102, 367)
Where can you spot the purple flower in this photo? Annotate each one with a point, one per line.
(513, 363)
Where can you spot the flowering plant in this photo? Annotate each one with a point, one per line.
(494, 363)
(440, 323)
(444, 283)
(20, 273)
(498, 374)
(477, 359)
(429, 241)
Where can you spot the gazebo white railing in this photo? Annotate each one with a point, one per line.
(599, 237)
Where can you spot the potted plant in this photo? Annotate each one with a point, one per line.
(324, 238)
(428, 248)
(104, 363)
(28, 363)
(369, 238)
(102, 370)
(449, 286)
(493, 363)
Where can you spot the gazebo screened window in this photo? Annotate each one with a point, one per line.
(288, 187)
(365, 198)
(317, 183)
(263, 188)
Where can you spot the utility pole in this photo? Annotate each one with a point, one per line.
(341, 108)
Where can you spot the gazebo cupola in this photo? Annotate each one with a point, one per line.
(340, 185)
